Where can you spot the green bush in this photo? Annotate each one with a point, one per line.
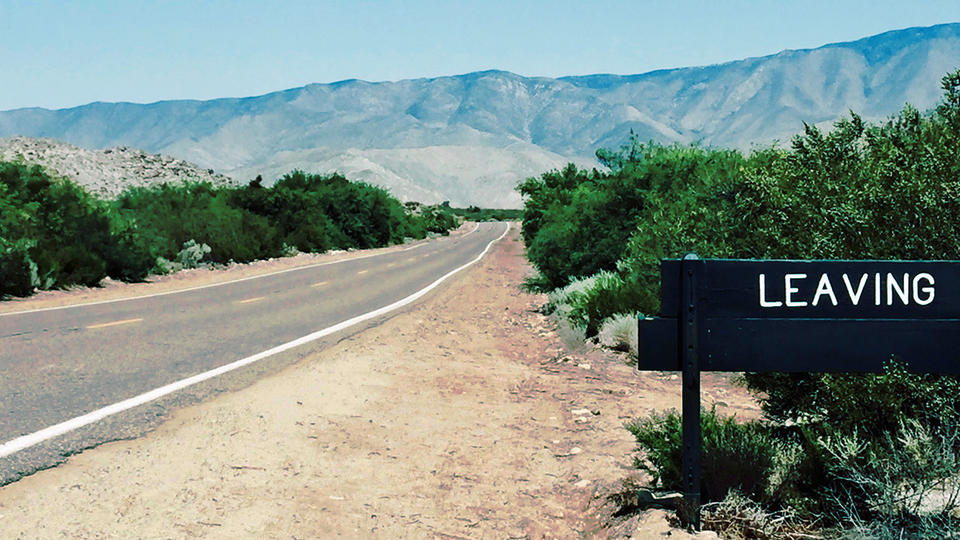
(600, 207)
(365, 216)
(905, 483)
(305, 212)
(608, 295)
(577, 223)
(168, 215)
(54, 234)
(734, 456)
(475, 213)
(18, 273)
(296, 215)
(436, 219)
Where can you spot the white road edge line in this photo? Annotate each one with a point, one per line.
(26, 441)
(178, 291)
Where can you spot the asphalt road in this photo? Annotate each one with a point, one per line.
(59, 364)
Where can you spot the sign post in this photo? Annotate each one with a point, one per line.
(690, 406)
(795, 316)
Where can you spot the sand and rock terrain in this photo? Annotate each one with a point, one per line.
(461, 417)
(106, 172)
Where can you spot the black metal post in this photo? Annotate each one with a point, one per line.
(689, 511)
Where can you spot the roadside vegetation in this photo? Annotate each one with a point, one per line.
(54, 234)
(875, 455)
(475, 213)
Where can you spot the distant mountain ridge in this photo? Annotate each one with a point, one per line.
(470, 138)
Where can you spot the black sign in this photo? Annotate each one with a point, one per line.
(810, 316)
(795, 316)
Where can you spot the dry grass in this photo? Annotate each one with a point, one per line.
(620, 334)
(736, 516)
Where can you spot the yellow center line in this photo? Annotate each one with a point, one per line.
(251, 300)
(319, 284)
(411, 259)
(391, 265)
(362, 272)
(114, 323)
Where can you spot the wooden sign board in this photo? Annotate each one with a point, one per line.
(810, 316)
(795, 316)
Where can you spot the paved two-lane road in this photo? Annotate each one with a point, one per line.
(60, 364)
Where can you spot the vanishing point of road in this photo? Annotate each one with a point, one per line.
(77, 376)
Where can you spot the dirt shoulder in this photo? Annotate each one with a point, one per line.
(459, 418)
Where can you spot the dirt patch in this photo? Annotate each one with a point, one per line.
(460, 418)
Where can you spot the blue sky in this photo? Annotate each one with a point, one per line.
(65, 53)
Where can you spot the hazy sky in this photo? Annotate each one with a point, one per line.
(71, 52)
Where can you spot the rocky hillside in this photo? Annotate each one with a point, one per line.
(470, 138)
(104, 172)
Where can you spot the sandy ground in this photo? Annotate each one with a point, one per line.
(462, 417)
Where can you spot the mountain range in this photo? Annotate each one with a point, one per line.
(470, 138)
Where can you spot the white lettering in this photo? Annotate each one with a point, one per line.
(855, 298)
(894, 286)
(824, 287)
(788, 290)
(876, 289)
(763, 295)
(927, 290)
(888, 287)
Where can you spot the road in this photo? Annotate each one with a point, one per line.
(61, 364)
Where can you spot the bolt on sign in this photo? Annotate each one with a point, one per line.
(795, 316)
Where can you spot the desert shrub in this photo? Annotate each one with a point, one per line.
(169, 215)
(60, 235)
(906, 483)
(128, 259)
(475, 213)
(601, 208)
(18, 273)
(55, 234)
(737, 516)
(552, 190)
(561, 300)
(577, 223)
(295, 214)
(365, 215)
(435, 219)
(192, 254)
(889, 470)
(311, 213)
(620, 333)
(559, 303)
(886, 445)
(734, 456)
(607, 295)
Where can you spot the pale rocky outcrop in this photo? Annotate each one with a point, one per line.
(106, 172)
